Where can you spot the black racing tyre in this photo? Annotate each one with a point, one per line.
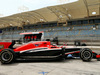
(86, 54)
(83, 44)
(7, 56)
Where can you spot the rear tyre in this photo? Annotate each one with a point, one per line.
(83, 44)
(7, 56)
(86, 54)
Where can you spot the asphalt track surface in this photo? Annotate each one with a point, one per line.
(61, 67)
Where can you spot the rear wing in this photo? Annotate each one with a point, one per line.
(39, 35)
(27, 33)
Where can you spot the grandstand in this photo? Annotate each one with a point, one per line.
(69, 22)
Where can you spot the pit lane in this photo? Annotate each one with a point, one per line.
(64, 67)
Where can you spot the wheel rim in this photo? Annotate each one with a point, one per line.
(6, 56)
(86, 54)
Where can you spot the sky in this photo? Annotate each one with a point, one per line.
(10, 7)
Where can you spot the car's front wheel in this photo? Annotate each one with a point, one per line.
(7, 56)
(86, 54)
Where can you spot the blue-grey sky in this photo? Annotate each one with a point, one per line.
(10, 7)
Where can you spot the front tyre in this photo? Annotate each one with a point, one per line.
(86, 54)
(7, 56)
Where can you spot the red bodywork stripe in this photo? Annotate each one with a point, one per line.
(4, 45)
(72, 52)
(97, 56)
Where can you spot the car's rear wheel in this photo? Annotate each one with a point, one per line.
(7, 56)
(86, 54)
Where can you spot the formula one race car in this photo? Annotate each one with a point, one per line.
(41, 49)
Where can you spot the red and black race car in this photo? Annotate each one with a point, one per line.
(41, 49)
